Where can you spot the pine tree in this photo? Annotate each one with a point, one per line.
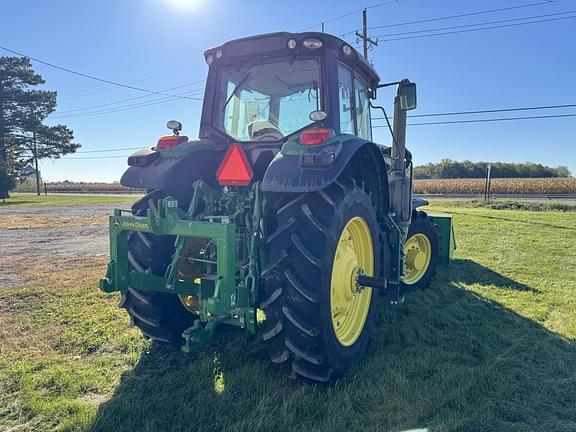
(23, 136)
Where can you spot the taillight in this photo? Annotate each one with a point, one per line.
(170, 141)
(315, 136)
(235, 169)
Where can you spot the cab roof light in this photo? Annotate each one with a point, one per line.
(315, 136)
(235, 169)
(312, 43)
(170, 141)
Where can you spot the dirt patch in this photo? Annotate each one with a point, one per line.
(33, 222)
(60, 211)
(41, 240)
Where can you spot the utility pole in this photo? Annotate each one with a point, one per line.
(36, 163)
(367, 42)
(4, 168)
(488, 184)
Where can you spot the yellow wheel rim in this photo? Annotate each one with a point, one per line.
(418, 251)
(190, 303)
(189, 271)
(349, 306)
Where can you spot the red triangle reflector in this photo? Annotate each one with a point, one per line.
(235, 170)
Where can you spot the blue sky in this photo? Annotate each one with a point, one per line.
(131, 41)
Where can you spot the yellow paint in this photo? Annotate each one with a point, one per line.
(418, 251)
(134, 225)
(349, 307)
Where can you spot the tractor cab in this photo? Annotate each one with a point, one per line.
(269, 88)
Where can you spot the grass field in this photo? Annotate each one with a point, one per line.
(81, 187)
(21, 199)
(489, 347)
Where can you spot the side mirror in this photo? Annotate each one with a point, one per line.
(407, 95)
(175, 126)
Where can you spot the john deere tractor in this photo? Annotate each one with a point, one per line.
(284, 218)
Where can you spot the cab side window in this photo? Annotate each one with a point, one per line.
(362, 110)
(345, 93)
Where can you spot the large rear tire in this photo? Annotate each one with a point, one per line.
(161, 317)
(317, 321)
(421, 252)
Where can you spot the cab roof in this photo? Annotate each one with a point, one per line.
(243, 49)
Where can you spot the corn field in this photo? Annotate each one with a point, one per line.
(87, 187)
(539, 186)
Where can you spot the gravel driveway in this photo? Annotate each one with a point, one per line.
(53, 246)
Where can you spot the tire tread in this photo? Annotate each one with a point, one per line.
(293, 332)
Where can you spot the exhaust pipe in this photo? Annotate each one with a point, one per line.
(400, 182)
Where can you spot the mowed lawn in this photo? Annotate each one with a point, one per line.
(489, 347)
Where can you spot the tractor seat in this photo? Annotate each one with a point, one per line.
(264, 130)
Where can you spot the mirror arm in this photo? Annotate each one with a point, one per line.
(373, 91)
(394, 144)
(390, 84)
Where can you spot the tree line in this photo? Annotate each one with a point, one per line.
(448, 168)
(24, 138)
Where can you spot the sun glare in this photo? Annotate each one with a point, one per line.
(185, 4)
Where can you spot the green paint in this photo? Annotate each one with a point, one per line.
(226, 295)
(395, 240)
(446, 238)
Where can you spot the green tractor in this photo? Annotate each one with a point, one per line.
(283, 218)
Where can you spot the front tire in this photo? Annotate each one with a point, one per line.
(317, 322)
(159, 316)
(421, 252)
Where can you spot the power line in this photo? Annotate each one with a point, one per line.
(487, 120)
(460, 15)
(131, 107)
(348, 14)
(118, 110)
(478, 24)
(119, 101)
(123, 108)
(135, 82)
(110, 150)
(442, 18)
(127, 99)
(478, 29)
(457, 113)
(375, 127)
(94, 157)
(73, 72)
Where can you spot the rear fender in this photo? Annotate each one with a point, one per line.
(299, 169)
(175, 173)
